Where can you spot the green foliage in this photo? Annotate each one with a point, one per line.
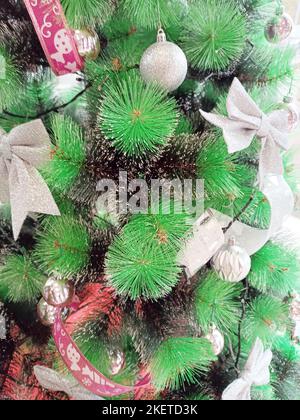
(286, 363)
(214, 34)
(20, 280)
(216, 303)
(275, 268)
(63, 245)
(184, 126)
(179, 360)
(10, 80)
(263, 393)
(223, 174)
(150, 13)
(68, 155)
(31, 100)
(264, 317)
(138, 117)
(142, 260)
(81, 13)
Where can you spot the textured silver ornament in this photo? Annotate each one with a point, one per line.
(164, 63)
(117, 359)
(88, 43)
(46, 313)
(216, 338)
(58, 292)
(232, 263)
(279, 28)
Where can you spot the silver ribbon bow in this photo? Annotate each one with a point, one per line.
(245, 121)
(22, 151)
(256, 372)
(56, 382)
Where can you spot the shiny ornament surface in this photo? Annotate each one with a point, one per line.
(293, 113)
(164, 63)
(3, 329)
(117, 359)
(232, 263)
(88, 43)
(279, 28)
(217, 340)
(58, 292)
(46, 313)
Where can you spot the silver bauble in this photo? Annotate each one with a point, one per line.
(232, 263)
(46, 313)
(88, 43)
(117, 359)
(164, 63)
(279, 28)
(58, 292)
(217, 340)
(291, 108)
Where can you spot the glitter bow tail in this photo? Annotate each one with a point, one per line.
(256, 372)
(22, 151)
(56, 382)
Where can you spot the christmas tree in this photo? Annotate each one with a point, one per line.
(144, 180)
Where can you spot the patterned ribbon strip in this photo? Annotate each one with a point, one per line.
(83, 370)
(55, 36)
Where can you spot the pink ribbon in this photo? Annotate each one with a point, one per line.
(83, 370)
(55, 36)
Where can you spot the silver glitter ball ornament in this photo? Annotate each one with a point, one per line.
(46, 313)
(58, 292)
(88, 43)
(164, 63)
(279, 28)
(216, 338)
(232, 263)
(117, 359)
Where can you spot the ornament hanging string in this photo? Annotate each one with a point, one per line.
(83, 370)
(55, 36)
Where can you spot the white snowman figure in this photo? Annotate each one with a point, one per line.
(62, 44)
(74, 357)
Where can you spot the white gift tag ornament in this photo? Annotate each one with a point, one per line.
(206, 239)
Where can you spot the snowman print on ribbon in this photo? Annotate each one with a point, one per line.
(62, 44)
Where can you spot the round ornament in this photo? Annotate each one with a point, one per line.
(293, 113)
(164, 63)
(58, 292)
(232, 263)
(279, 28)
(46, 313)
(117, 359)
(88, 43)
(217, 340)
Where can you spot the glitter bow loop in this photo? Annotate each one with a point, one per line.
(245, 121)
(25, 149)
(256, 372)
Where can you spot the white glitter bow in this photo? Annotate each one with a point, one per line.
(22, 151)
(56, 382)
(245, 121)
(256, 372)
